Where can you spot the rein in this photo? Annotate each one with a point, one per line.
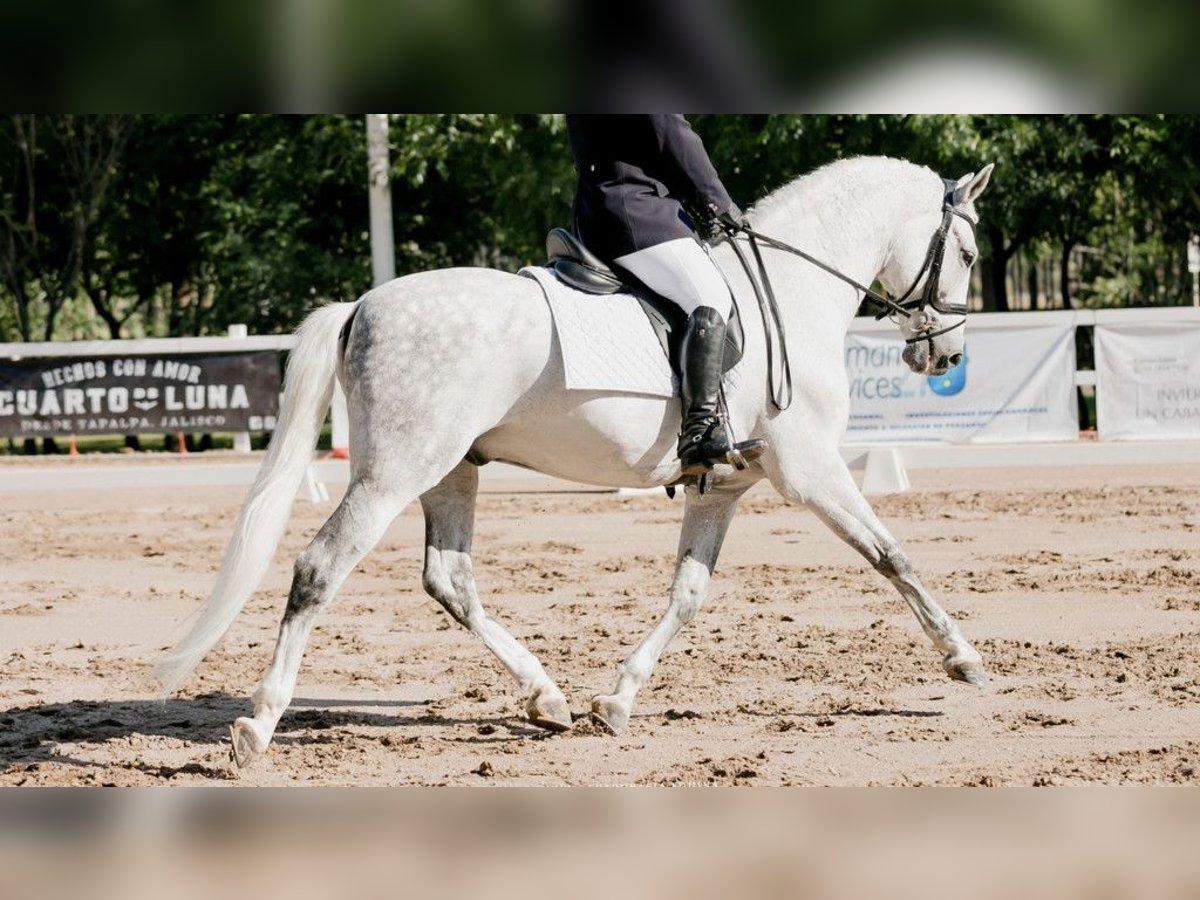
(887, 306)
(909, 309)
(768, 308)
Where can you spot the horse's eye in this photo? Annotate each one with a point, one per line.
(968, 258)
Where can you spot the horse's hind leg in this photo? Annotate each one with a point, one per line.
(450, 579)
(354, 528)
(705, 521)
(836, 499)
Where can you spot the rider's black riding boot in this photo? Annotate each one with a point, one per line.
(703, 441)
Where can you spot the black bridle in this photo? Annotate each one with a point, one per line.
(914, 308)
(933, 265)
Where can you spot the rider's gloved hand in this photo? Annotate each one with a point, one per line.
(731, 221)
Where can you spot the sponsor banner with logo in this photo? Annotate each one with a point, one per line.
(1148, 380)
(139, 394)
(1014, 384)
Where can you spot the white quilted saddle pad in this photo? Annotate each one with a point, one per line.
(607, 342)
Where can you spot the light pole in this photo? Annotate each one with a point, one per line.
(1194, 268)
(383, 250)
(383, 254)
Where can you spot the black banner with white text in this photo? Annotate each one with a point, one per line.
(188, 393)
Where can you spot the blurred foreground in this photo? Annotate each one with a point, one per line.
(872, 55)
(1091, 844)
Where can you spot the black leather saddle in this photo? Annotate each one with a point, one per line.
(578, 267)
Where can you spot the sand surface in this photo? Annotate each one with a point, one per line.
(1080, 587)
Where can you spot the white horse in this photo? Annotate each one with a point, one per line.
(445, 370)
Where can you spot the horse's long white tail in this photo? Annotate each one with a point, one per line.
(308, 388)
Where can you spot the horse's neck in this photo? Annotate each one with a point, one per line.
(849, 227)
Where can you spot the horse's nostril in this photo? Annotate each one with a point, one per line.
(955, 360)
(941, 362)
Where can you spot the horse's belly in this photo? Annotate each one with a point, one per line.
(617, 441)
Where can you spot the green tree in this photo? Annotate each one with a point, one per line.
(150, 255)
(289, 223)
(53, 182)
(478, 189)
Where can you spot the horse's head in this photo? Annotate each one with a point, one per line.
(930, 276)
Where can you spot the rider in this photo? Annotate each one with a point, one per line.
(635, 173)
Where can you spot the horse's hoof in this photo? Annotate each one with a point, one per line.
(969, 670)
(610, 712)
(549, 711)
(246, 745)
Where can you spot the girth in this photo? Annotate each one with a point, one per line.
(575, 265)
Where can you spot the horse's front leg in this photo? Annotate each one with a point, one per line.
(705, 521)
(836, 499)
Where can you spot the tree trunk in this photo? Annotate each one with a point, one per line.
(1017, 271)
(103, 311)
(23, 318)
(995, 273)
(1032, 284)
(1064, 274)
(995, 291)
(52, 309)
(174, 313)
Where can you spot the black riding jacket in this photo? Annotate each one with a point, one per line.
(635, 171)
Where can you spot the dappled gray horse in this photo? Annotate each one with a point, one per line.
(446, 370)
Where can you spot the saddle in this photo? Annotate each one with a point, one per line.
(575, 265)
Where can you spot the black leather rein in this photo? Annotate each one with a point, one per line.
(903, 306)
(769, 307)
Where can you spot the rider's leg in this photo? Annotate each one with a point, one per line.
(703, 439)
(682, 272)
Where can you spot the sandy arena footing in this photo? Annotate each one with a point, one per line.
(1079, 586)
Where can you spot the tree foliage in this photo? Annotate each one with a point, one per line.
(166, 225)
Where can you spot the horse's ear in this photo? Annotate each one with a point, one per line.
(970, 186)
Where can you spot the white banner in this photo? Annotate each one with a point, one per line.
(1015, 384)
(1148, 380)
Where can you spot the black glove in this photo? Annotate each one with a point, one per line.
(731, 221)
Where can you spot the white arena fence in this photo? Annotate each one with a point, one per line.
(1012, 402)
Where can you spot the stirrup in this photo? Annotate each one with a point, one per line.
(743, 453)
(738, 455)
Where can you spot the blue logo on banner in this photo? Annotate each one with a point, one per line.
(951, 382)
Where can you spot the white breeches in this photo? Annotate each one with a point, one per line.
(682, 272)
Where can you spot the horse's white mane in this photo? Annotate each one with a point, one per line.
(828, 189)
